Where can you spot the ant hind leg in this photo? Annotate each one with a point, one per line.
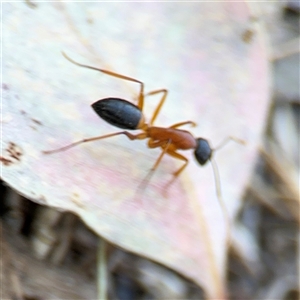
(160, 104)
(110, 73)
(139, 136)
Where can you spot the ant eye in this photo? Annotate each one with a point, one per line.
(203, 151)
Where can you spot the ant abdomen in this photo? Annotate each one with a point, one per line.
(118, 112)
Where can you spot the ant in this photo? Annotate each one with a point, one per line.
(125, 115)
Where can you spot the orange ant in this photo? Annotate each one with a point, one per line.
(123, 114)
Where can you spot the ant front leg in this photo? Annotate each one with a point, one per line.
(139, 136)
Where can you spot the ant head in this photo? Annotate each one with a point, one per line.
(203, 151)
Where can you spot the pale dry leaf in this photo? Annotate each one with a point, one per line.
(214, 78)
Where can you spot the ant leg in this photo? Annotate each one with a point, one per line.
(141, 93)
(181, 157)
(139, 136)
(176, 174)
(228, 139)
(155, 144)
(152, 144)
(183, 123)
(164, 144)
(160, 104)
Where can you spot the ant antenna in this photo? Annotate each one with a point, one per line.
(228, 139)
(220, 198)
(218, 182)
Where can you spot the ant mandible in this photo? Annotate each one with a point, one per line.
(123, 114)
